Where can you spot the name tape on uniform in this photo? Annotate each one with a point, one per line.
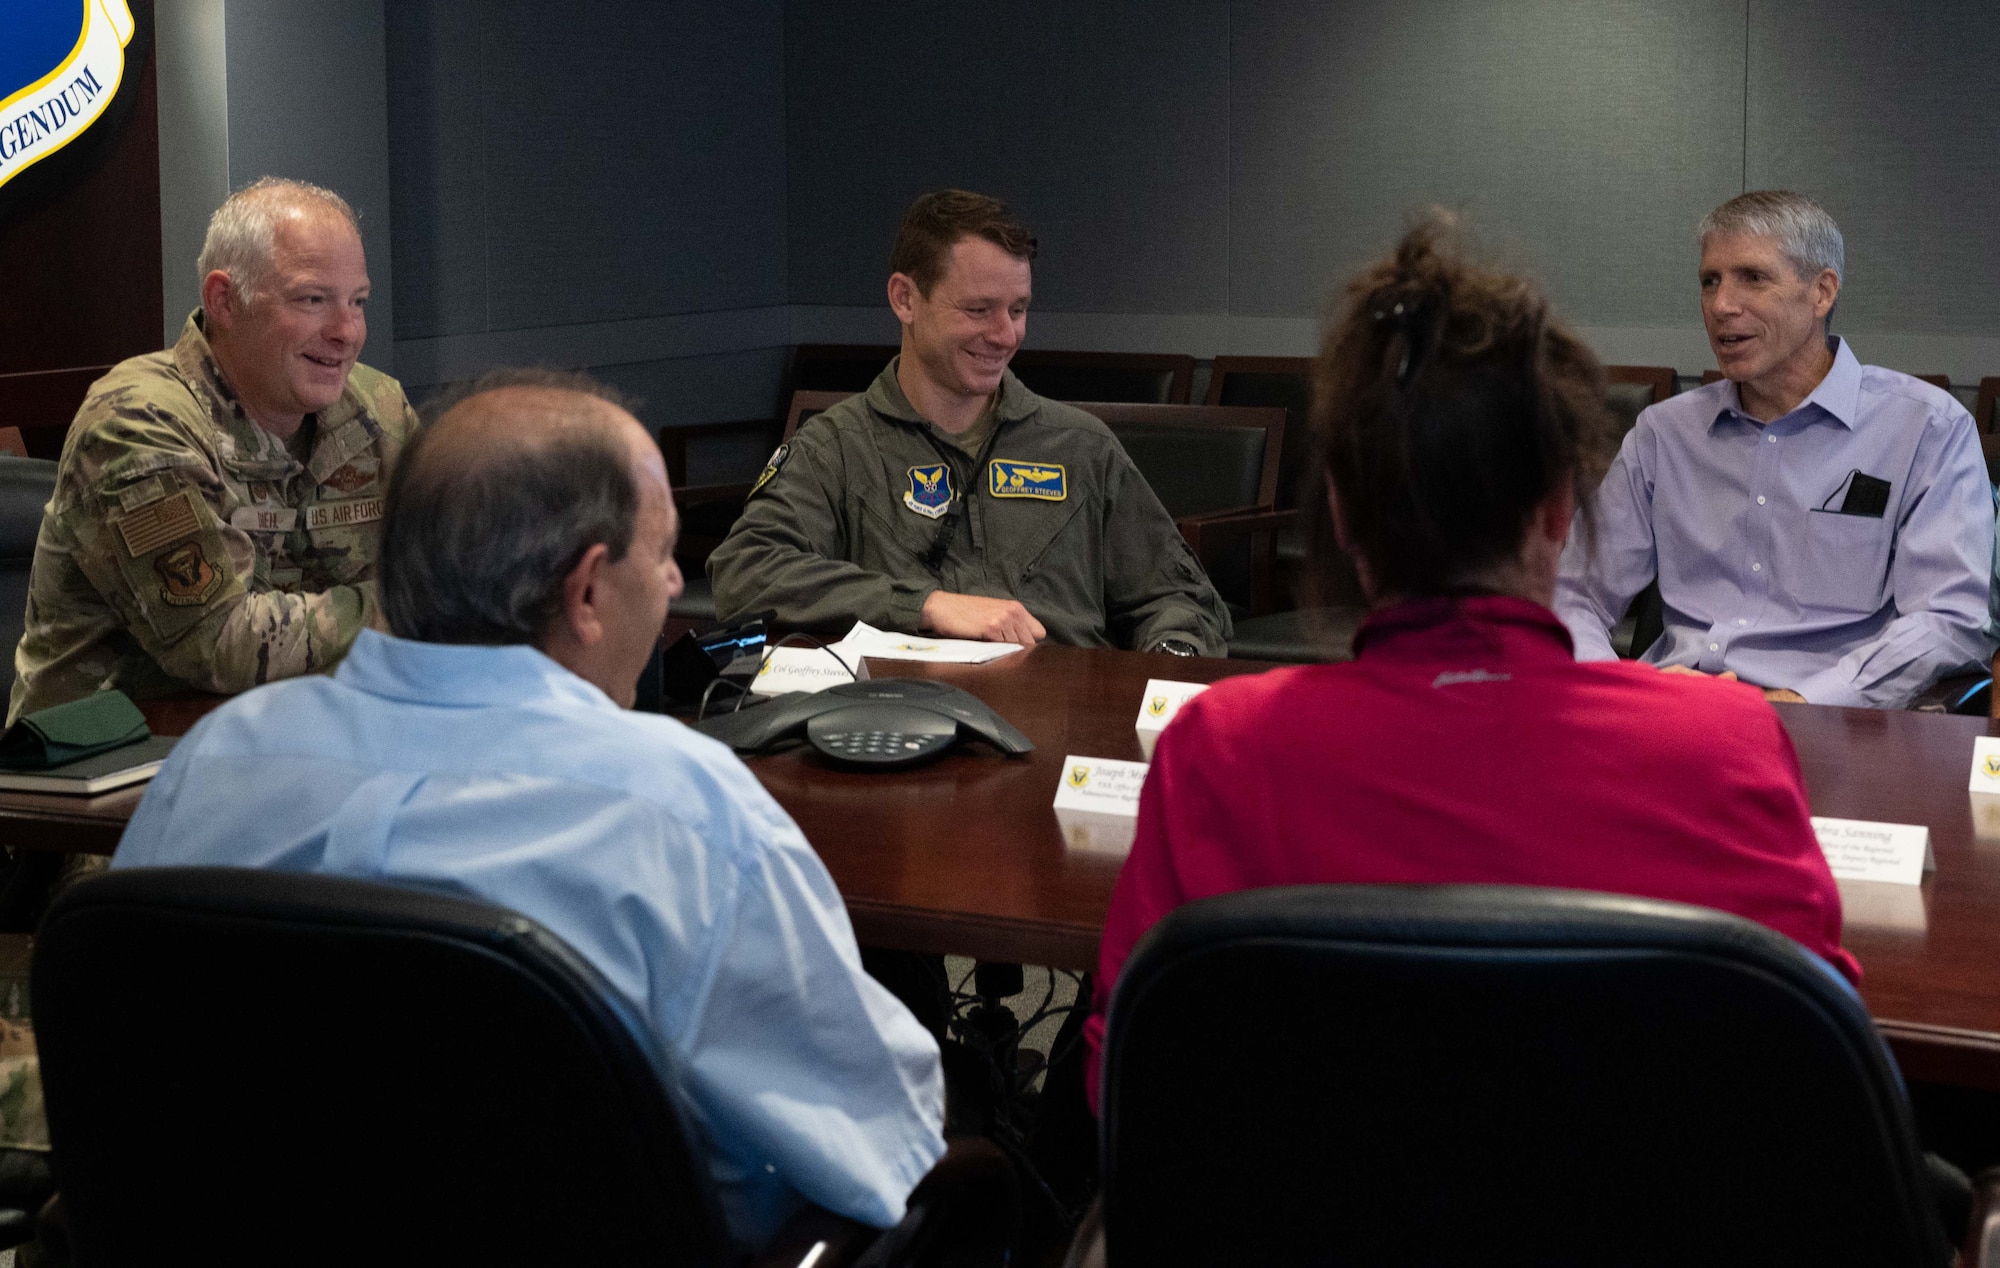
(1856, 850)
(788, 669)
(1163, 699)
(1986, 765)
(343, 514)
(1102, 784)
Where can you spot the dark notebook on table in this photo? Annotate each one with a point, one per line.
(91, 745)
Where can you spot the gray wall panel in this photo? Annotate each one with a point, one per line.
(308, 98)
(1883, 111)
(635, 159)
(438, 165)
(1584, 138)
(1104, 125)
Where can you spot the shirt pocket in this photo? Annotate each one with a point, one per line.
(1840, 562)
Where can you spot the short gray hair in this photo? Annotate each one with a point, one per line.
(241, 233)
(1806, 235)
(477, 551)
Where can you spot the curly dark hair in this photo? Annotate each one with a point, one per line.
(1448, 404)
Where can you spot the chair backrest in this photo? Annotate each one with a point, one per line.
(1630, 389)
(1285, 382)
(1985, 415)
(1145, 377)
(836, 367)
(301, 1067)
(41, 403)
(1483, 1074)
(26, 485)
(804, 405)
(1200, 458)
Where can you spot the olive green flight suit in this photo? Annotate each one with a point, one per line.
(870, 508)
(188, 547)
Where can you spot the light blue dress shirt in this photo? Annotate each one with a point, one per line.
(496, 774)
(1759, 571)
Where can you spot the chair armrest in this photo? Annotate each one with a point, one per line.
(1208, 533)
(1981, 1248)
(839, 1241)
(1219, 528)
(970, 1203)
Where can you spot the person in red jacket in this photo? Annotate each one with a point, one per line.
(1456, 426)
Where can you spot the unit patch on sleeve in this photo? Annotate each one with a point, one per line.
(160, 523)
(771, 468)
(187, 579)
(1043, 480)
(930, 490)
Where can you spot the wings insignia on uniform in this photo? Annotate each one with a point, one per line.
(930, 492)
(1046, 481)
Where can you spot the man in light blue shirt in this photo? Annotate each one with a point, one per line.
(487, 751)
(1820, 528)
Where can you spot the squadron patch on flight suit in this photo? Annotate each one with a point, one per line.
(1042, 480)
(930, 490)
(187, 579)
(771, 468)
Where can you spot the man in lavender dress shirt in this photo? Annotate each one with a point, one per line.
(1820, 528)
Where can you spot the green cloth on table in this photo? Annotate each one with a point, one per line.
(70, 732)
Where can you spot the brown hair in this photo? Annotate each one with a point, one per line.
(1447, 405)
(936, 221)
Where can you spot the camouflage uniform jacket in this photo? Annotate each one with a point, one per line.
(870, 508)
(186, 546)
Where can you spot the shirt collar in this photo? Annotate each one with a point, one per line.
(460, 675)
(255, 450)
(1838, 394)
(1420, 628)
(885, 396)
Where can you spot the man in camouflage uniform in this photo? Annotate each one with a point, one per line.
(214, 519)
(951, 499)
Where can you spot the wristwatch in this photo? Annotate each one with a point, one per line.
(1176, 647)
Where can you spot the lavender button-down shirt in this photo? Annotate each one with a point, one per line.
(1762, 573)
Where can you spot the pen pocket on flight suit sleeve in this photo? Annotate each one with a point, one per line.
(1839, 563)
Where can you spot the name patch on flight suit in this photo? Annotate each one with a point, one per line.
(343, 514)
(930, 490)
(1042, 480)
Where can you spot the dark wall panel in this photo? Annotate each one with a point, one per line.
(1105, 125)
(1885, 112)
(557, 163)
(1584, 138)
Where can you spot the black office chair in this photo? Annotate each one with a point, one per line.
(26, 485)
(1402, 1075)
(242, 1064)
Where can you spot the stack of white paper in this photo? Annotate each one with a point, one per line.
(866, 640)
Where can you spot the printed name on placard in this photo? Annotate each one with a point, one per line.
(1102, 784)
(1856, 850)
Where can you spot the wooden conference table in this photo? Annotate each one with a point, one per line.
(967, 856)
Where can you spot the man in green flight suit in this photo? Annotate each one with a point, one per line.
(214, 518)
(950, 499)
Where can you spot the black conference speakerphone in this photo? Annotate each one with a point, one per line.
(878, 724)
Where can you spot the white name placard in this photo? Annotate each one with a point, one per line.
(1092, 832)
(1986, 764)
(1898, 853)
(1163, 699)
(788, 669)
(1100, 784)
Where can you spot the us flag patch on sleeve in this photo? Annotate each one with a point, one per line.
(160, 524)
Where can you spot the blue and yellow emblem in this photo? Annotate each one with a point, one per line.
(60, 67)
(930, 490)
(1042, 480)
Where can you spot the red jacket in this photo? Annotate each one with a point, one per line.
(1465, 744)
